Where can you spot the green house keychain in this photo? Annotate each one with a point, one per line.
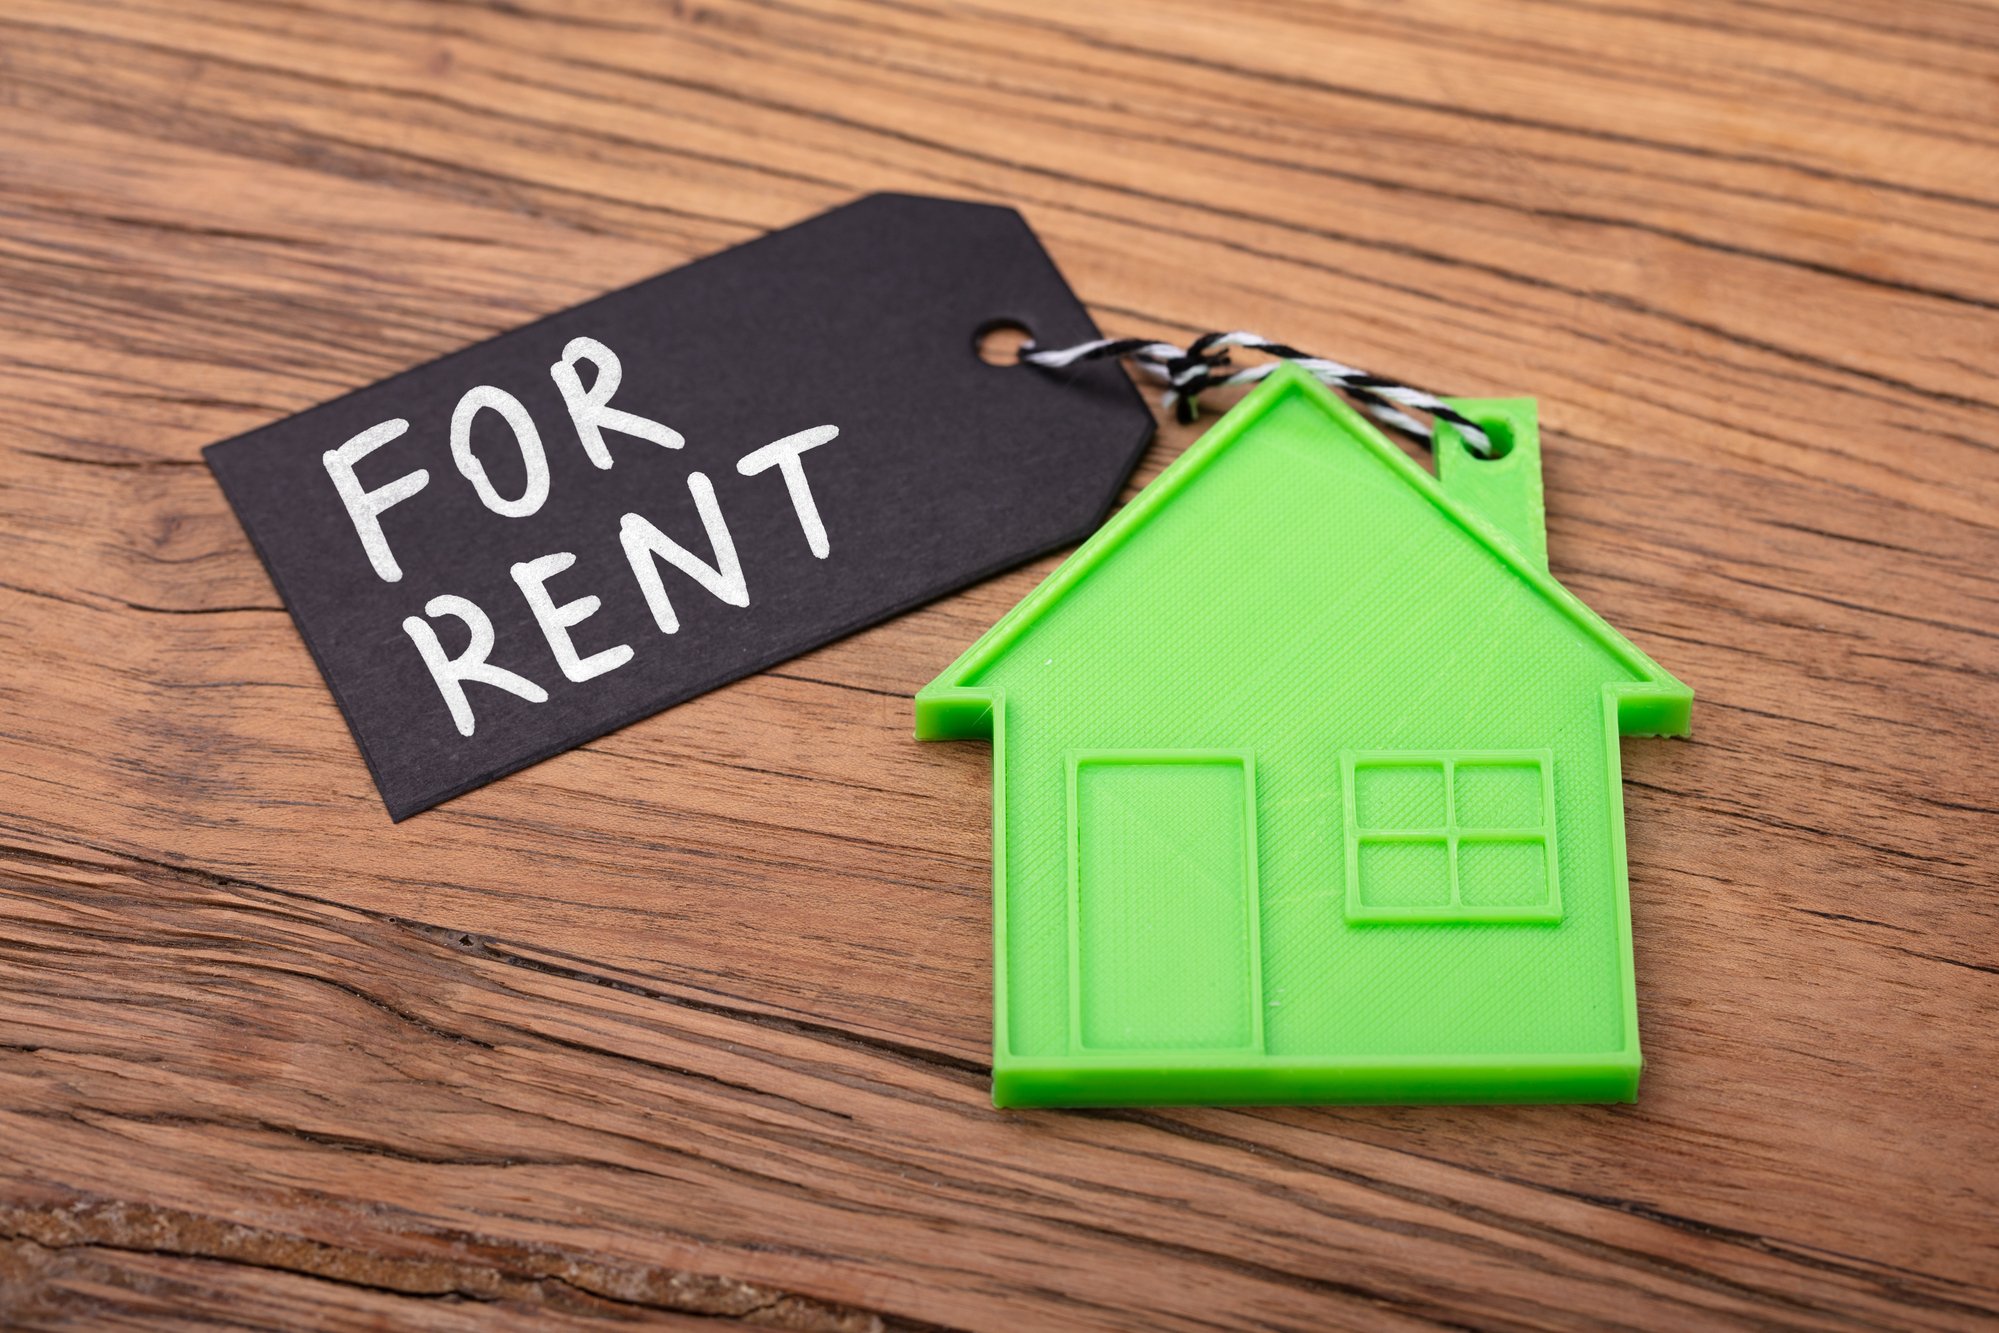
(1306, 782)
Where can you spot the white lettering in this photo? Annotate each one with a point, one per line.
(451, 673)
(533, 457)
(364, 506)
(533, 577)
(644, 544)
(784, 454)
(590, 408)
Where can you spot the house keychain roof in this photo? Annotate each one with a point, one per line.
(1306, 783)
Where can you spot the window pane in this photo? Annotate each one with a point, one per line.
(1502, 874)
(1498, 795)
(1399, 796)
(1405, 874)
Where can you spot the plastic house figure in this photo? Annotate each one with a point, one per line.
(1306, 783)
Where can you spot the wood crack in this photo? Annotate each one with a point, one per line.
(533, 1276)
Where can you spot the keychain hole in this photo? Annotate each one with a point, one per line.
(1499, 432)
(998, 341)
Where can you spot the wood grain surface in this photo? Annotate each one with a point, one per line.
(692, 1024)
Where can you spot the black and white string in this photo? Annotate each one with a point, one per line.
(1203, 364)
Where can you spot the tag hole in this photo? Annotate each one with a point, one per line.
(998, 342)
(1501, 436)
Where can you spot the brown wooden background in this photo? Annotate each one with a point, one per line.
(693, 1022)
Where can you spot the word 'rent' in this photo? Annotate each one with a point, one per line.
(645, 546)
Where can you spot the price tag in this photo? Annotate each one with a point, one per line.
(567, 528)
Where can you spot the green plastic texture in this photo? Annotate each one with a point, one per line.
(1306, 784)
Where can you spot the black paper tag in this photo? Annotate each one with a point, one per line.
(739, 460)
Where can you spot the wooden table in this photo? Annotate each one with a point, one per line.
(693, 1021)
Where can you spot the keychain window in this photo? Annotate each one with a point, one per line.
(1444, 837)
